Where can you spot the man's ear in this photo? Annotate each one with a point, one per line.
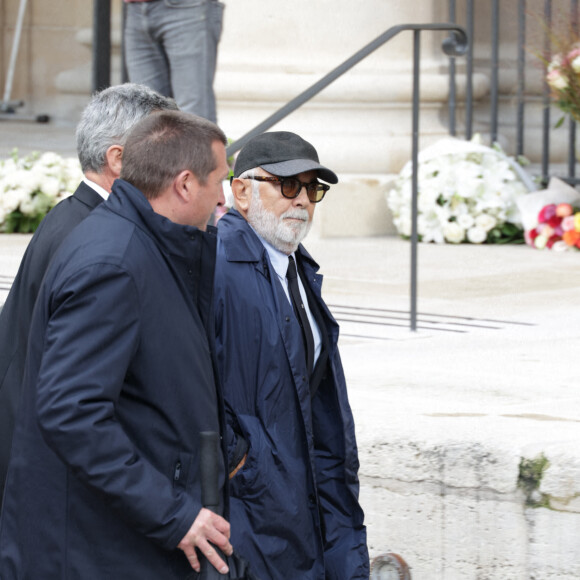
(114, 156)
(242, 192)
(185, 184)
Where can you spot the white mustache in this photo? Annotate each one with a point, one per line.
(298, 214)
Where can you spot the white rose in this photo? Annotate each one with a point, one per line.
(42, 203)
(49, 159)
(557, 80)
(476, 235)
(403, 225)
(73, 173)
(556, 62)
(465, 220)
(485, 222)
(13, 198)
(453, 233)
(28, 206)
(50, 187)
(20, 179)
(33, 180)
(433, 234)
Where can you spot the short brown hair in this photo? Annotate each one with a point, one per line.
(164, 144)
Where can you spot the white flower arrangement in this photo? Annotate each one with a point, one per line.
(467, 192)
(30, 186)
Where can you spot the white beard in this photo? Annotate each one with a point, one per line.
(281, 233)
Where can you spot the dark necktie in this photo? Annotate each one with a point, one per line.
(300, 312)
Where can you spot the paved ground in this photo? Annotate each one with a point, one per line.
(31, 136)
(498, 328)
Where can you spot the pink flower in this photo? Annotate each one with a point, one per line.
(568, 223)
(547, 212)
(573, 53)
(572, 58)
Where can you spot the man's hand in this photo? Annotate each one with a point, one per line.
(207, 527)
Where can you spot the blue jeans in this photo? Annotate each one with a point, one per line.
(171, 46)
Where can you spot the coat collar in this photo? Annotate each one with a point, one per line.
(172, 238)
(87, 195)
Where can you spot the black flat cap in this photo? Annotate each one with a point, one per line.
(283, 154)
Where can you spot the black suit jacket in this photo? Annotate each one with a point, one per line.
(17, 311)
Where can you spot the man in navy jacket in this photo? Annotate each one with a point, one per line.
(100, 135)
(294, 506)
(104, 478)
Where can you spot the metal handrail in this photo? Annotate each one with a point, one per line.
(454, 45)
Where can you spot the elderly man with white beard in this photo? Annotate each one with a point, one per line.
(293, 458)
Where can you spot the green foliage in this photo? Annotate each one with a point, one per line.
(530, 475)
(506, 233)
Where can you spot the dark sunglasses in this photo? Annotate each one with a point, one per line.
(291, 187)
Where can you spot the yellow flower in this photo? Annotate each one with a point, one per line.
(577, 221)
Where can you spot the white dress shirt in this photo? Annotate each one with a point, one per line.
(279, 262)
(100, 190)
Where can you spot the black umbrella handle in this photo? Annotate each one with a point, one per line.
(210, 494)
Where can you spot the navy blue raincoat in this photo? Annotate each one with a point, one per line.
(104, 478)
(294, 504)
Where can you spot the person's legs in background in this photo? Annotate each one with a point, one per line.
(144, 55)
(172, 47)
(191, 43)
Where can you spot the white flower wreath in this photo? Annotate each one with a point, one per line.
(467, 192)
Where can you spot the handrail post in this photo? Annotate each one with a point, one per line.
(452, 108)
(469, 74)
(521, 76)
(546, 95)
(494, 68)
(101, 45)
(572, 121)
(414, 179)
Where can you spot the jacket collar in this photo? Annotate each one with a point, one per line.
(87, 195)
(172, 238)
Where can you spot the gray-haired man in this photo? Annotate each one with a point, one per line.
(294, 485)
(100, 135)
